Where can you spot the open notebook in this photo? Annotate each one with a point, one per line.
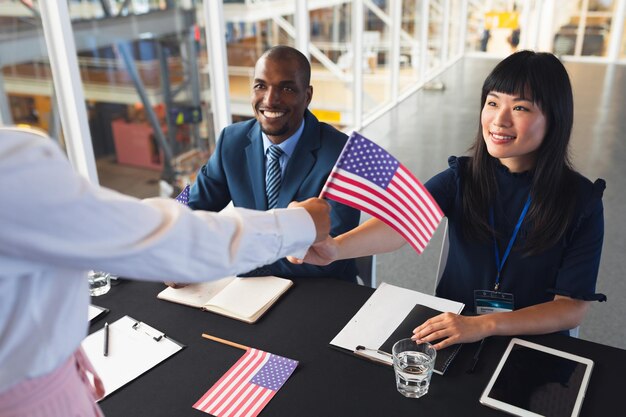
(244, 299)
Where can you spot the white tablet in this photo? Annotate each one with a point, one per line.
(532, 380)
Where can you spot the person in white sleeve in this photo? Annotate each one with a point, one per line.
(55, 226)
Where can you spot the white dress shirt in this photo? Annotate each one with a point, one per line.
(55, 225)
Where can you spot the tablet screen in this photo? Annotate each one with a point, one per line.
(538, 379)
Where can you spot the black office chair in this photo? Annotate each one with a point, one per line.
(366, 270)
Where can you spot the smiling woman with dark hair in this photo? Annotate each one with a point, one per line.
(525, 229)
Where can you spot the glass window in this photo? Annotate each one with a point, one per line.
(585, 28)
(332, 65)
(410, 44)
(26, 92)
(376, 56)
(141, 66)
(477, 34)
(623, 48)
(454, 25)
(435, 36)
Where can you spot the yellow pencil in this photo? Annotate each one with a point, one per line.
(224, 341)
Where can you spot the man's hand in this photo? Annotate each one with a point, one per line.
(319, 210)
(320, 253)
(175, 284)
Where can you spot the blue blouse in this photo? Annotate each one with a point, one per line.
(569, 268)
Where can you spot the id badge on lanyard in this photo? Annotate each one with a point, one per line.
(494, 301)
(487, 301)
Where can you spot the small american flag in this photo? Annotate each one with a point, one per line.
(248, 385)
(368, 178)
(183, 197)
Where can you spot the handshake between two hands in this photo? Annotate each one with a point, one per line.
(319, 210)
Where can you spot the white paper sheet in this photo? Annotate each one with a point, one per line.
(95, 311)
(132, 351)
(382, 313)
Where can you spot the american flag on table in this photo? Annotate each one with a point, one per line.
(368, 178)
(183, 197)
(248, 385)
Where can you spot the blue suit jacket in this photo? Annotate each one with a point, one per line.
(236, 171)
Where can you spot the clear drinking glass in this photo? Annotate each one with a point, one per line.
(413, 363)
(99, 282)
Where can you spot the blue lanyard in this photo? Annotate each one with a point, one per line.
(500, 264)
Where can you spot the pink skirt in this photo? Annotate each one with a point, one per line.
(65, 392)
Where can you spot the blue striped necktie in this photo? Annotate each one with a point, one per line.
(273, 175)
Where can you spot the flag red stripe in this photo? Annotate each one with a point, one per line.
(262, 396)
(352, 203)
(403, 203)
(361, 205)
(200, 403)
(235, 374)
(230, 393)
(412, 209)
(261, 405)
(241, 399)
(235, 395)
(419, 198)
(422, 193)
(413, 233)
(233, 405)
(240, 373)
(406, 209)
(405, 215)
(250, 399)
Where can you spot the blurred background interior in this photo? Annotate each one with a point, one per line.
(160, 78)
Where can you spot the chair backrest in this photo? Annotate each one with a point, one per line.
(366, 270)
(443, 256)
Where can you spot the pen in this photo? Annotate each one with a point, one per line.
(106, 339)
(476, 357)
(380, 352)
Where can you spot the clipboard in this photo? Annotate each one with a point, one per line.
(380, 316)
(96, 312)
(134, 348)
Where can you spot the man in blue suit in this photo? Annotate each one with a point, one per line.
(245, 170)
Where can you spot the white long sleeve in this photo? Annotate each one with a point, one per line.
(55, 226)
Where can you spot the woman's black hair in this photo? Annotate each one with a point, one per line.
(544, 78)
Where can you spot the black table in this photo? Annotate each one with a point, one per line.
(327, 382)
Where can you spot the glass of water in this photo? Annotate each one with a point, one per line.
(99, 282)
(413, 363)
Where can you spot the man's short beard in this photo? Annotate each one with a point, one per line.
(278, 132)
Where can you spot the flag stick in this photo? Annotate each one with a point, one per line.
(224, 341)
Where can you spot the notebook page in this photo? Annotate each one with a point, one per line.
(244, 297)
(195, 295)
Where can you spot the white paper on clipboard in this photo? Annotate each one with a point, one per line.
(381, 314)
(134, 348)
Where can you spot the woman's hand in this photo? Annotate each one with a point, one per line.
(452, 328)
(320, 253)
